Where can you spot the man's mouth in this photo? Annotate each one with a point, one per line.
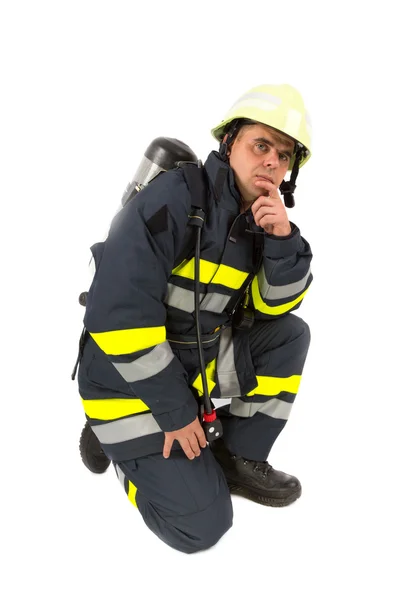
(264, 177)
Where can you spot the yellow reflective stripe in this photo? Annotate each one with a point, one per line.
(125, 341)
(230, 277)
(210, 376)
(260, 305)
(113, 408)
(132, 489)
(222, 274)
(186, 269)
(272, 386)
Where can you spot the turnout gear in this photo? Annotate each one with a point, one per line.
(256, 480)
(158, 296)
(139, 374)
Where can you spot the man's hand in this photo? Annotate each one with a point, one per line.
(269, 211)
(189, 438)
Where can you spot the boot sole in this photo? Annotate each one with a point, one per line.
(250, 494)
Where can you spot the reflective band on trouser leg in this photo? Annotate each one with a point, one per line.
(120, 475)
(273, 407)
(132, 489)
(227, 377)
(210, 377)
(278, 409)
(148, 365)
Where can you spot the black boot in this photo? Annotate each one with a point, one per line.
(256, 480)
(92, 454)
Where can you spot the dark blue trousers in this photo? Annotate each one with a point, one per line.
(186, 503)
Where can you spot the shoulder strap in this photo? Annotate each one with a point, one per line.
(197, 184)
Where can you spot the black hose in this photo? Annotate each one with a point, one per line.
(207, 403)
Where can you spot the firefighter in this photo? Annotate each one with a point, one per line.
(139, 376)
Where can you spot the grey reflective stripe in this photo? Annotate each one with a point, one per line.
(278, 292)
(120, 476)
(184, 300)
(227, 376)
(260, 96)
(278, 409)
(148, 365)
(126, 429)
(215, 302)
(180, 298)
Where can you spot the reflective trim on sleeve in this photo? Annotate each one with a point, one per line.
(278, 292)
(272, 310)
(272, 386)
(275, 408)
(126, 429)
(113, 408)
(227, 377)
(126, 341)
(148, 365)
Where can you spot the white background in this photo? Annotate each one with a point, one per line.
(85, 87)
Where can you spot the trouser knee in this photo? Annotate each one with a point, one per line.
(300, 331)
(191, 533)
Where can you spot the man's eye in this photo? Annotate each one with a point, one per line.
(261, 147)
(284, 157)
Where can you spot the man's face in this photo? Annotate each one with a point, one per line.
(259, 152)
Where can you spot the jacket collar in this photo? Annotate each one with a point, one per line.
(222, 182)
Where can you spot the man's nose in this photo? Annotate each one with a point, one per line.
(271, 159)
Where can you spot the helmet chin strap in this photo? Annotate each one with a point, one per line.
(287, 187)
(223, 148)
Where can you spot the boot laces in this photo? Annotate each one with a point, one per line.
(262, 466)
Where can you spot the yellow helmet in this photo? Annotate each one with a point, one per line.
(278, 106)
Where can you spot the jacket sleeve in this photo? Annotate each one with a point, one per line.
(284, 277)
(125, 314)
